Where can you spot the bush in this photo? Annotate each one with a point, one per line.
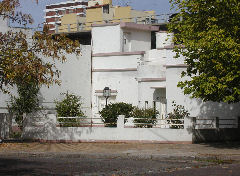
(26, 102)
(149, 116)
(111, 112)
(179, 112)
(70, 106)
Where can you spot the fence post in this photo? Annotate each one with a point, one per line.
(52, 118)
(120, 121)
(217, 122)
(238, 122)
(189, 122)
(56, 26)
(69, 28)
(150, 19)
(135, 20)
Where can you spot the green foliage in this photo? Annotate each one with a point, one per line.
(26, 102)
(110, 113)
(70, 106)
(210, 34)
(21, 54)
(16, 135)
(179, 112)
(146, 116)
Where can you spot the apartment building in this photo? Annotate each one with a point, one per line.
(54, 12)
(101, 12)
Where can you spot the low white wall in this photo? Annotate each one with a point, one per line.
(46, 129)
(92, 134)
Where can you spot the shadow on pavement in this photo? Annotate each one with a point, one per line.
(12, 166)
(223, 145)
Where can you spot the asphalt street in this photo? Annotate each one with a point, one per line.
(120, 159)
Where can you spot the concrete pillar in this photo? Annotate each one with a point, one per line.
(189, 122)
(238, 122)
(217, 122)
(52, 118)
(120, 121)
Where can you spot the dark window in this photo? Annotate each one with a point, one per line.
(106, 9)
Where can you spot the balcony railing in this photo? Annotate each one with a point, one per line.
(86, 26)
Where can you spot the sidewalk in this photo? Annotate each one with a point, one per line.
(226, 150)
(120, 159)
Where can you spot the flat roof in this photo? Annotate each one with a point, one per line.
(130, 25)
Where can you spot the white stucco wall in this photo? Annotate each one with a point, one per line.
(195, 106)
(163, 39)
(106, 39)
(75, 78)
(139, 40)
(119, 74)
(116, 62)
(151, 69)
(124, 82)
(5, 98)
(148, 91)
(3, 25)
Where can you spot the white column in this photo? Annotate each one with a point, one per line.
(120, 121)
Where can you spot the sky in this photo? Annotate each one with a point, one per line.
(36, 10)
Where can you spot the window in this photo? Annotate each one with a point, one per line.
(154, 105)
(126, 42)
(106, 9)
(146, 104)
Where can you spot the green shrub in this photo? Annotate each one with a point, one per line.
(148, 115)
(111, 112)
(70, 106)
(16, 135)
(26, 101)
(179, 112)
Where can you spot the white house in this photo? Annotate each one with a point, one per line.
(122, 60)
(117, 51)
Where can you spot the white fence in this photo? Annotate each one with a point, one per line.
(48, 129)
(128, 122)
(163, 131)
(215, 123)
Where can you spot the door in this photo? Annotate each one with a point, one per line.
(126, 42)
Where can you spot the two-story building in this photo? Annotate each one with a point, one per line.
(122, 59)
